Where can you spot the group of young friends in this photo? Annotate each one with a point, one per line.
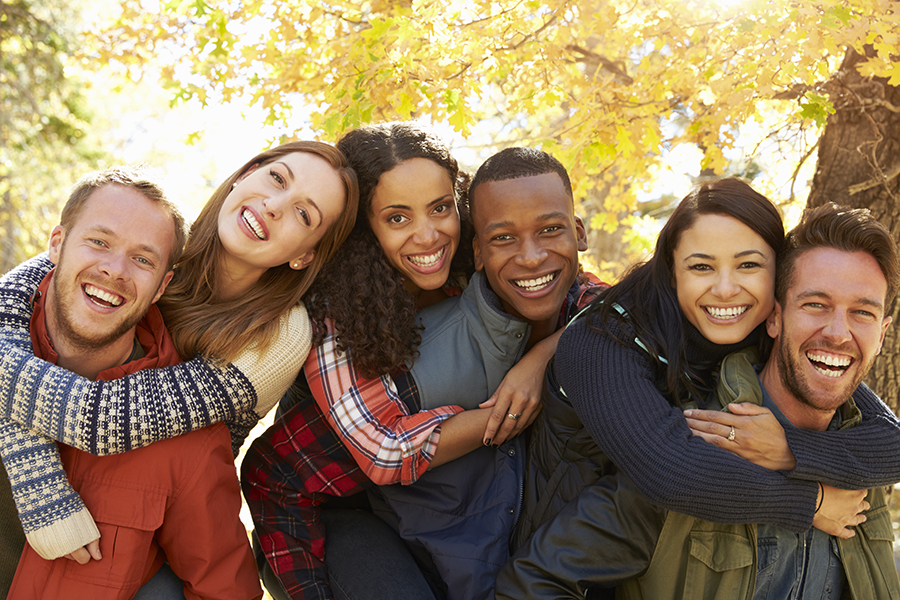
(463, 412)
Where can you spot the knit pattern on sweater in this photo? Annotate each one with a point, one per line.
(615, 391)
(109, 417)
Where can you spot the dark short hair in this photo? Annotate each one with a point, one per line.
(513, 163)
(842, 228)
(139, 178)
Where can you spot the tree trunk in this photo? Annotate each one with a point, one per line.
(858, 165)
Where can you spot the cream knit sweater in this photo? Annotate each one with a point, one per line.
(38, 399)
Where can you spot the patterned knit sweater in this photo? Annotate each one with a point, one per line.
(38, 399)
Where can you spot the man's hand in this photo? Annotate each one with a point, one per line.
(758, 436)
(840, 510)
(83, 555)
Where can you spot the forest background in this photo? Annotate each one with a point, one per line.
(638, 98)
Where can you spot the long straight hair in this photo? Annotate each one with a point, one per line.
(648, 294)
(200, 319)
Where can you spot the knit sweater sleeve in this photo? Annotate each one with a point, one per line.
(108, 417)
(611, 386)
(53, 516)
(856, 458)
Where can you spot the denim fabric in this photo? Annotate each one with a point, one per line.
(797, 566)
(367, 560)
(165, 585)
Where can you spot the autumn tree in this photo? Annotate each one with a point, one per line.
(43, 118)
(859, 165)
(610, 87)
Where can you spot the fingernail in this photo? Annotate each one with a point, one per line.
(495, 446)
(487, 442)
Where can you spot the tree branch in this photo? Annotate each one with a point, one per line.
(868, 185)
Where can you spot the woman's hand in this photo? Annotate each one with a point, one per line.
(519, 394)
(517, 402)
(758, 436)
(84, 554)
(839, 510)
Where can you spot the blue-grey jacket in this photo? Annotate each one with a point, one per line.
(463, 512)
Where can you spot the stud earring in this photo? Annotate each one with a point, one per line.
(234, 185)
(295, 264)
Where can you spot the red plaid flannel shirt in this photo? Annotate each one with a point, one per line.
(299, 462)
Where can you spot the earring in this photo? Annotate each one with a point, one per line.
(295, 264)
(234, 185)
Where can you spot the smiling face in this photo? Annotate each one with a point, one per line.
(724, 278)
(277, 213)
(828, 332)
(111, 266)
(415, 219)
(527, 241)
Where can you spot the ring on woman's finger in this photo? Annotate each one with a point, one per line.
(514, 417)
(731, 435)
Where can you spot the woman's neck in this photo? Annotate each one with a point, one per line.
(424, 298)
(235, 281)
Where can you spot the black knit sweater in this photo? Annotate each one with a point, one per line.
(615, 390)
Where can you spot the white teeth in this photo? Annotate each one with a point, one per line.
(96, 292)
(726, 313)
(253, 224)
(828, 359)
(427, 261)
(532, 285)
(840, 363)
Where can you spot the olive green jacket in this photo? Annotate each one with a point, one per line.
(700, 560)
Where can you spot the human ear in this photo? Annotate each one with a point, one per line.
(884, 326)
(162, 286)
(774, 321)
(57, 237)
(581, 235)
(301, 262)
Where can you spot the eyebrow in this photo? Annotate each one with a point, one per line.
(741, 254)
(874, 303)
(284, 164)
(544, 217)
(408, 207)
(109, 232)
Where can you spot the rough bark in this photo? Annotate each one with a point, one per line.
(859, 165)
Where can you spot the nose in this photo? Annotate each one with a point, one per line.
(531, 253)
(837, 330)
(273, 206)
(426, 233)
(725, 287)
(114, 265)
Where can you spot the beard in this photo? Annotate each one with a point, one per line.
(66, 323)
(796, 383)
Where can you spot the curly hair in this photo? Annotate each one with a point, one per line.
(360, 291)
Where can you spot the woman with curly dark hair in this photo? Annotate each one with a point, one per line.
(411, 247)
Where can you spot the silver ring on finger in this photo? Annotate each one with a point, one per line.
(731, 435)
(514, 417)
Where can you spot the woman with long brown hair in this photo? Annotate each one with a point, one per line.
(233, 306)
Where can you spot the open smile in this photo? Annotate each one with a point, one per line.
(255, 227)
(102, 297)
(726, 313)
(829, 365)
(428, 263)
(537, 284)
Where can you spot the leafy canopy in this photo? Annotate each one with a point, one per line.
(606, 86)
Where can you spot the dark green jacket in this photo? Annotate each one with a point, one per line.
(701, 560)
